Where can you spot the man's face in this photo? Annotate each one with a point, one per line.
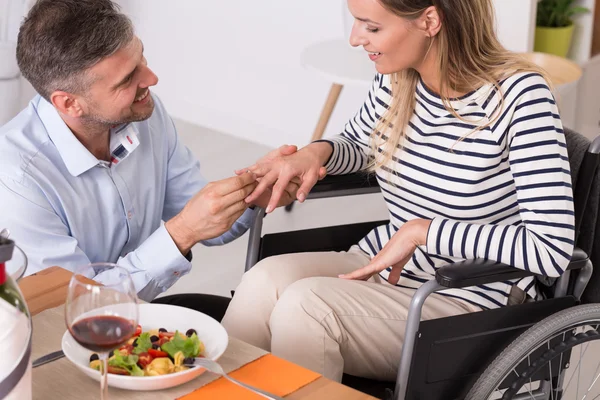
(120, 90)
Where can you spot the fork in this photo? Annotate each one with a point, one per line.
(214, 367)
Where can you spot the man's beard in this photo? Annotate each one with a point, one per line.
(93, 119)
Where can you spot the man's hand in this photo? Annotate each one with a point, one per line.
(211, 212)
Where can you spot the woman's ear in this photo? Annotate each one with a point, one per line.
(431, 21)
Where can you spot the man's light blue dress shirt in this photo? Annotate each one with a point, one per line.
(65, 207)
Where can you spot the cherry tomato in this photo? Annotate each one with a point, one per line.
(144, 359)
(168, 335)
(157, 353)
(138, 331)
(128, 348)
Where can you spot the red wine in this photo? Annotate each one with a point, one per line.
(102, 333)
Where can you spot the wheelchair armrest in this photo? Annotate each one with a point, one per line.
(345, 185)
(578, 259)
(479, 272)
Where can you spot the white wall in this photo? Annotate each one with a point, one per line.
(233, 66)
(11, 12)
(516, 23)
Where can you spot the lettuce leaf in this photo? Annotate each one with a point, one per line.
(189, 346)
(143, 343)
(127, 362)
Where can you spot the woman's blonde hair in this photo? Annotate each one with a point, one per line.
(469, 57)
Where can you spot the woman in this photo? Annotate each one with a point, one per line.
(469, 151)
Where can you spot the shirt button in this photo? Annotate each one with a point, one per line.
(129, 215)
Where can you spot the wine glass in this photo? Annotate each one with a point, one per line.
(102, 314)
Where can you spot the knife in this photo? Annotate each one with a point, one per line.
(48, 358)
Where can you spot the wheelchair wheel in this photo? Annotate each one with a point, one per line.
(552, 360)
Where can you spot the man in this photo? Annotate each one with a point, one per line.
(93, 165)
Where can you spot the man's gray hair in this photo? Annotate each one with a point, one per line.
(60, 39)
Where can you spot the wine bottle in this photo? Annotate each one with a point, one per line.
(15, 336)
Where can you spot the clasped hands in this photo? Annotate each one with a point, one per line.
(276, 180)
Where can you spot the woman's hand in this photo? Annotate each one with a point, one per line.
(278, 168)
(289, 193)
(396, 253)
(287, 197)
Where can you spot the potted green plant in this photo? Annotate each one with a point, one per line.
(554, 26)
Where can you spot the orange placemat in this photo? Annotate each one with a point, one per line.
(270, 373)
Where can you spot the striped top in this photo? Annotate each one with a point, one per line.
(503, 193)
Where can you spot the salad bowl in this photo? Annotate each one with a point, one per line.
(152, 317)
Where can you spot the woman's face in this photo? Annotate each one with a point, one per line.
(393, 43)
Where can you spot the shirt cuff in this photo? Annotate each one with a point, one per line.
(161, 258)
(247, 218)
(329, 165)
(434, 235)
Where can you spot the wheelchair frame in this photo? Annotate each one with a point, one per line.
(458, 275)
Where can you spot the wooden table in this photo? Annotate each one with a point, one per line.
(48, 289)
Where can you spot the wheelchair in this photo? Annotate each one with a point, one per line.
(515, 352)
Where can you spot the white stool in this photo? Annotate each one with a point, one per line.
(343, 65)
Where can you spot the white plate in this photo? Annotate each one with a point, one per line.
(154, 316)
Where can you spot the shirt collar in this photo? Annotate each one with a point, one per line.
(76, 157)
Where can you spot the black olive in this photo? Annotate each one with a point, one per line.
(134, 342)
(154, 338)
(162, 330)
(190, 332)
(188, 360)
(156, 347)
(112, 353)
(94, 357)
